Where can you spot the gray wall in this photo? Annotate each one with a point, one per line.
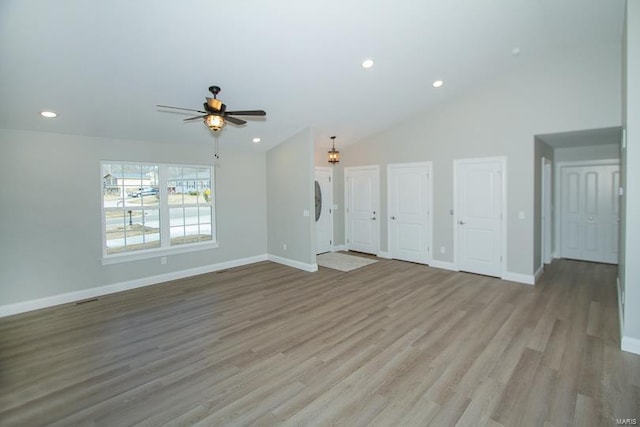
(290, 176)
(50, 225)
(629, 267)
(579, 90)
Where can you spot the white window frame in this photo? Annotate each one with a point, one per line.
(163, 207)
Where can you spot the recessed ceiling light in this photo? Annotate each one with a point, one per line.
(48, 114)
(515, 51)
(256, 140)
(367, 63)
(438, 83)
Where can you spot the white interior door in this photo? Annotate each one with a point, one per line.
(362, 199)
(409, 207)
(323, 209)
(479, 209)
(590, 212)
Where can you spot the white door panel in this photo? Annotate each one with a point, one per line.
(324, 211)
(409, 209)
(590, 212)
(479, 212)
(362, 186)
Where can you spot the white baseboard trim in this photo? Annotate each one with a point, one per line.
(383, 254)
(292, 263)
(443, 265)
(338, 248)
(538, 273)
(631, 345)
(25, 306)
(527, 279)
(555, 255)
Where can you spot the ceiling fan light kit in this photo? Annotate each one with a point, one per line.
(334, 155)
(215, 123)
(215, 114)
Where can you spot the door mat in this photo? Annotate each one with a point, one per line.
(342, 262)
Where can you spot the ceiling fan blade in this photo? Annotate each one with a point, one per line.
(248, 113)
(180, 108)
(234, 120)
(190, 119)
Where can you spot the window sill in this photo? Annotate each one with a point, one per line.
(155, 253)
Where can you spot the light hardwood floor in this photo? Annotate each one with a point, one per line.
(390, 344)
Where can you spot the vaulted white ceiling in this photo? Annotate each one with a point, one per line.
(103, 65)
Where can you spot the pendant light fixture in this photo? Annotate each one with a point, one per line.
(334, 155)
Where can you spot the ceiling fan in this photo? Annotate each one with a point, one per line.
(215, 113)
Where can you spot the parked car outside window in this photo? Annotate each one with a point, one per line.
(144, 192)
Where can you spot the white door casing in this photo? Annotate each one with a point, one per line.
(479, 209)
(324, 216)
(547, 211)
(589, 213)
(409, 199)
(362, 203)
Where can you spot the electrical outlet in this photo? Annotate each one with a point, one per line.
(284, 246)
(163, 260)
(443, 250)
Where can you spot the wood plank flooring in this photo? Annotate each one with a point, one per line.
(390, 344)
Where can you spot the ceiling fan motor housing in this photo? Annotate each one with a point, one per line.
(213, 105)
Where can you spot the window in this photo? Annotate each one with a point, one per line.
(190, 210)
(150, 208)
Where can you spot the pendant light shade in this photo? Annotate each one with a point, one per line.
(334, 155)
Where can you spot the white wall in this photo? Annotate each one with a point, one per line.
(50, 225)
(592, 152)
(629, 268)
(290, 176)
(567, 91)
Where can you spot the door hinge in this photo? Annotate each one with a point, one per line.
(329, 179)
(329, 211)
(331, 242)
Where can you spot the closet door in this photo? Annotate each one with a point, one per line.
(589, 215)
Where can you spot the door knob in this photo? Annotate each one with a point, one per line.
(373, 219)
(461, 222)
(393, 217)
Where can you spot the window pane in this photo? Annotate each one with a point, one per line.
(188, 225)
(188, 185)
(130, 230)
(205, 215)
(112, 189)
(176, 217)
